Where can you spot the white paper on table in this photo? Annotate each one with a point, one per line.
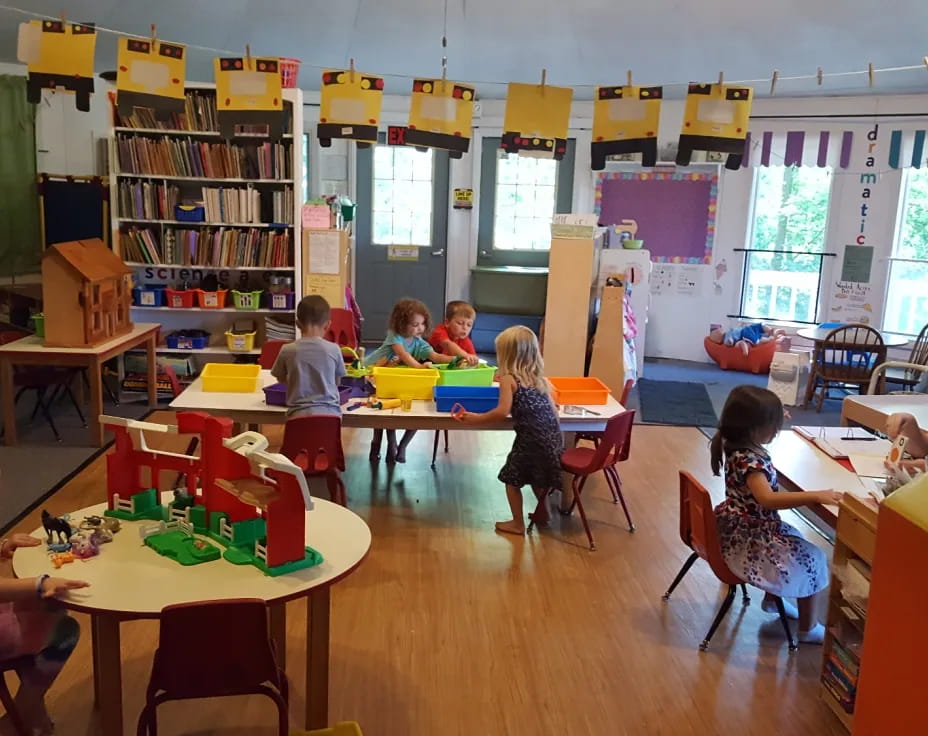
(870, 466)
(323, 252)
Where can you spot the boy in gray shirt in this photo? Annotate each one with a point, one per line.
(311, 366)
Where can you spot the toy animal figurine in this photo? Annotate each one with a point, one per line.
(61, 558)
(56, 525)
(182, 499)
(84, 546)
(109, 523)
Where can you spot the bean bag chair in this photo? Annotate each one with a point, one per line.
(731, 358)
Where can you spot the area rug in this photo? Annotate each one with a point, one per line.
(679, 403)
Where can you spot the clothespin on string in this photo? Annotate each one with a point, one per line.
(151, 49)
(351, 70)
(870, 75)
(248, 56)
(721, 78)
(628, 78)
(544, 76)
(818, 76)
(773, 82)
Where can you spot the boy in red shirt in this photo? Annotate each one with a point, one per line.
(452, 337)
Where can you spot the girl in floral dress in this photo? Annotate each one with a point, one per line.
(757, 545)
(535, 458)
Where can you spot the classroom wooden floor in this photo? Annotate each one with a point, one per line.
(449, 628)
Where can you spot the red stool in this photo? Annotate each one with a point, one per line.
(314, 443)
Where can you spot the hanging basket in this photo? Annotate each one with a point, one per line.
(289, 70)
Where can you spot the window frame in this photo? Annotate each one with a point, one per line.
(893, 259)
(750, 250)
(431, 182)
(487, 254)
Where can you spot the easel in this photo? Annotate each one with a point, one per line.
(60, 195)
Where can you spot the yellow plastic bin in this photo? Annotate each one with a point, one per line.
(240, 342)
(345, 728)
(231, 377)
(405, 383)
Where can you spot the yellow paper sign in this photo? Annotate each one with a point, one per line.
(349, 107)
(463, 199)
(536, 120)
(715, 119)
(249, 92)
(328, 286)
(625, 120)
(441, 115)
(150, 74)
(58, 56)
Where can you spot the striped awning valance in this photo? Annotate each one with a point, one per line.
(799, 148)
(907, 149)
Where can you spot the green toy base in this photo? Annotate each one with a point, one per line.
(241, 556)
(237, 556)
(155, 514)
(183, 548)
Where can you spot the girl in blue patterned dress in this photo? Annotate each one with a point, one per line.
(535, 458)
(757, 545)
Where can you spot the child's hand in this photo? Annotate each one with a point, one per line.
(54, 587)
(897, 424)
(471, 359)
(830, 497)
(426, 363)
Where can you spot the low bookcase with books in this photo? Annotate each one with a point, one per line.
(192, 209)
(855, 542)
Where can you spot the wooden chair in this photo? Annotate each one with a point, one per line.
(314, 443)
(699, 532)
(582, 462)
(847, 358)
(214, 649)
(907, 377)
(13, 665)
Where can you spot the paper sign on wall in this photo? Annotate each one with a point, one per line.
(463, 199)
(715, 119)
(349, 107)
(249, 92)
(58, 56)
(317, 216)
(150, 73)
(536, 120)
(858, 260)
(402, 253)
(689, 280)
(328, 286)
(662, 278)
(324, 248)
(625, 121)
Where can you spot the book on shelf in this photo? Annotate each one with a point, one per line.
(147, 200)
(228, 247)
(139, 154)
(199, 116)
(140, 245)
(845, 700)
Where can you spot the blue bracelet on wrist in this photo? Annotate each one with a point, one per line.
(39, 582)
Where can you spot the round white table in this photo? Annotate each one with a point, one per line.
(129, 580)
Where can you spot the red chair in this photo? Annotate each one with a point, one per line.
(699, 532)
(214, 649)
(14, 665)
(269, 352)
(342, 331)
(582, 462)
(314, 443)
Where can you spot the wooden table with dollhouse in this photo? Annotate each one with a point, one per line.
(247, 513)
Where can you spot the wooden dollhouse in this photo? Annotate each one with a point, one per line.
(86, 294)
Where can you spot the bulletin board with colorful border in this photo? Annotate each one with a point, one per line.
(675, 211)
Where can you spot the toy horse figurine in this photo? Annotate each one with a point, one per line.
(55, 525)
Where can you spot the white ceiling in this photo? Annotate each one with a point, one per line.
(580, 43)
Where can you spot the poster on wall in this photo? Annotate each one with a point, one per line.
(647, 197)
(59, 56)
(851, 301)
(857, 263)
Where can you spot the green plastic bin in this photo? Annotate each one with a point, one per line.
(482, 375)
(38, 320)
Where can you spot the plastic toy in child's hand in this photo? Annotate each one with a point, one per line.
(458, 412)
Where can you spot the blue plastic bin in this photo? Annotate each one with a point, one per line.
(148, 296)
(476, 399)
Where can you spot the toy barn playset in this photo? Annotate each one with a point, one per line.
(249, 501)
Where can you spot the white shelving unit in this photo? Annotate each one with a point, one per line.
(214, 321)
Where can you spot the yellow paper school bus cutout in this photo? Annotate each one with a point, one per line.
(536, 120)
(349, 107)
(59, 56)
(715, 119)
(441, 114)
(249, 92)
(150, 75)
(625, 120)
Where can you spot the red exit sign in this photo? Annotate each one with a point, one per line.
(396, 135)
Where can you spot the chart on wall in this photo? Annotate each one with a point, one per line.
(675, 212)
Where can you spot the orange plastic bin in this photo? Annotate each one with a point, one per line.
(586, 391)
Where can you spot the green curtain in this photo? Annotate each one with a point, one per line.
(20, 249)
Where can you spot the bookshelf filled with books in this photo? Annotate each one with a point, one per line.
(196, 213)
(855, 542)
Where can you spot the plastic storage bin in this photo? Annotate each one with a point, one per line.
(189, 213)
(275, 394)
(246, 299)
(38, 323)
(240, 342)
(148, 296)
(478, 399)
(283, 301)
(187, 340)
(231, 377)
(589, 391)
(179, 299)
(405, 383)
(481, 375)
(211, 299)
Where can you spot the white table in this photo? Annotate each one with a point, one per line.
(30, 351)
(872, 411)
(801, 466)
(131, 581)
(250, 408)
